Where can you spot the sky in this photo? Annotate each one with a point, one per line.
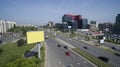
(42, 11)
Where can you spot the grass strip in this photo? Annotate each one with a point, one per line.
(50, 35)
(91, 58)
(42, 56)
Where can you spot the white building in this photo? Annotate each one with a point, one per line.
(6, 25)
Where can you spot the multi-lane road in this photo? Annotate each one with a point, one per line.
(95, 51)
(56, 57)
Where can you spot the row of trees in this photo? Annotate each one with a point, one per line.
(22, 29)
(116, 41)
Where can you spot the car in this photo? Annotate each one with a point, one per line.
(105, 59)
(65, 47)
(1, 41)
(85, 47)
(29, 54)
(67, 53)
(46, 37)
(113, 48)
(59, 45)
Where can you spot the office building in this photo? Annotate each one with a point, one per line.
(84, 24)
(93, 26)
(116, 27)
(71, 20)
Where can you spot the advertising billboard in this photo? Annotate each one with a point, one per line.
(35, 36)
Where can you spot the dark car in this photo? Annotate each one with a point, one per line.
(59, 45)
(105, 59)
(113, 48)
(65, 47)
(29, 54)
(85, 47)
(0, 41)
(46, 37)
(67, 53)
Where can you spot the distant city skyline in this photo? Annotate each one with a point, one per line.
(42, 11)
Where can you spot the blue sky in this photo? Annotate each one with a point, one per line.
(42, 11)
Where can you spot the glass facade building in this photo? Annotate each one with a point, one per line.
(84, 23)
(116, 28)
(71, 20)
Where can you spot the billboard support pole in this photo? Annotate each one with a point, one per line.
(39, 46)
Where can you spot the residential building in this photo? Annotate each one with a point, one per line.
(50, 24)
(6, 25)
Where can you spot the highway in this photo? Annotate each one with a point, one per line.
(110, 45)
(56, 57)
(115, 47)
(95, 51)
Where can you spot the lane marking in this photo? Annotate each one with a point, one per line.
(48, 64)
(78, 63)
(84, 61)
(71, 65)
(60, 62)
(84, 58)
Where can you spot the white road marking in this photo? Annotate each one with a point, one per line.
(78, 63)
(60, 62)
(48, 64)
(71, 65)
(84, 61)
(63, 66)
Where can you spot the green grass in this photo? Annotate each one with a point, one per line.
(91, 58)
(50, 35)
(11, 51)
(42, 56)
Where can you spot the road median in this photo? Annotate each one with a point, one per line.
(91, 58)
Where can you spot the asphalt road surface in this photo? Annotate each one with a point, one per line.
(56, 57)
(114, 60)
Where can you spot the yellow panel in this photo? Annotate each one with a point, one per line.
(35, 36)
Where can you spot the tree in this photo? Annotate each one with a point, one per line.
(21, 42)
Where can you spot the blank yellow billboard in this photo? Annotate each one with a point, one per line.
(35, 36)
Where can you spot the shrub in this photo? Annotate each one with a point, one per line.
(21, 42)
(23, 62)
(1, 50)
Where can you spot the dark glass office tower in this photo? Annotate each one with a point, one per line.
(116, 28)
(84, 23)
(71, 20)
